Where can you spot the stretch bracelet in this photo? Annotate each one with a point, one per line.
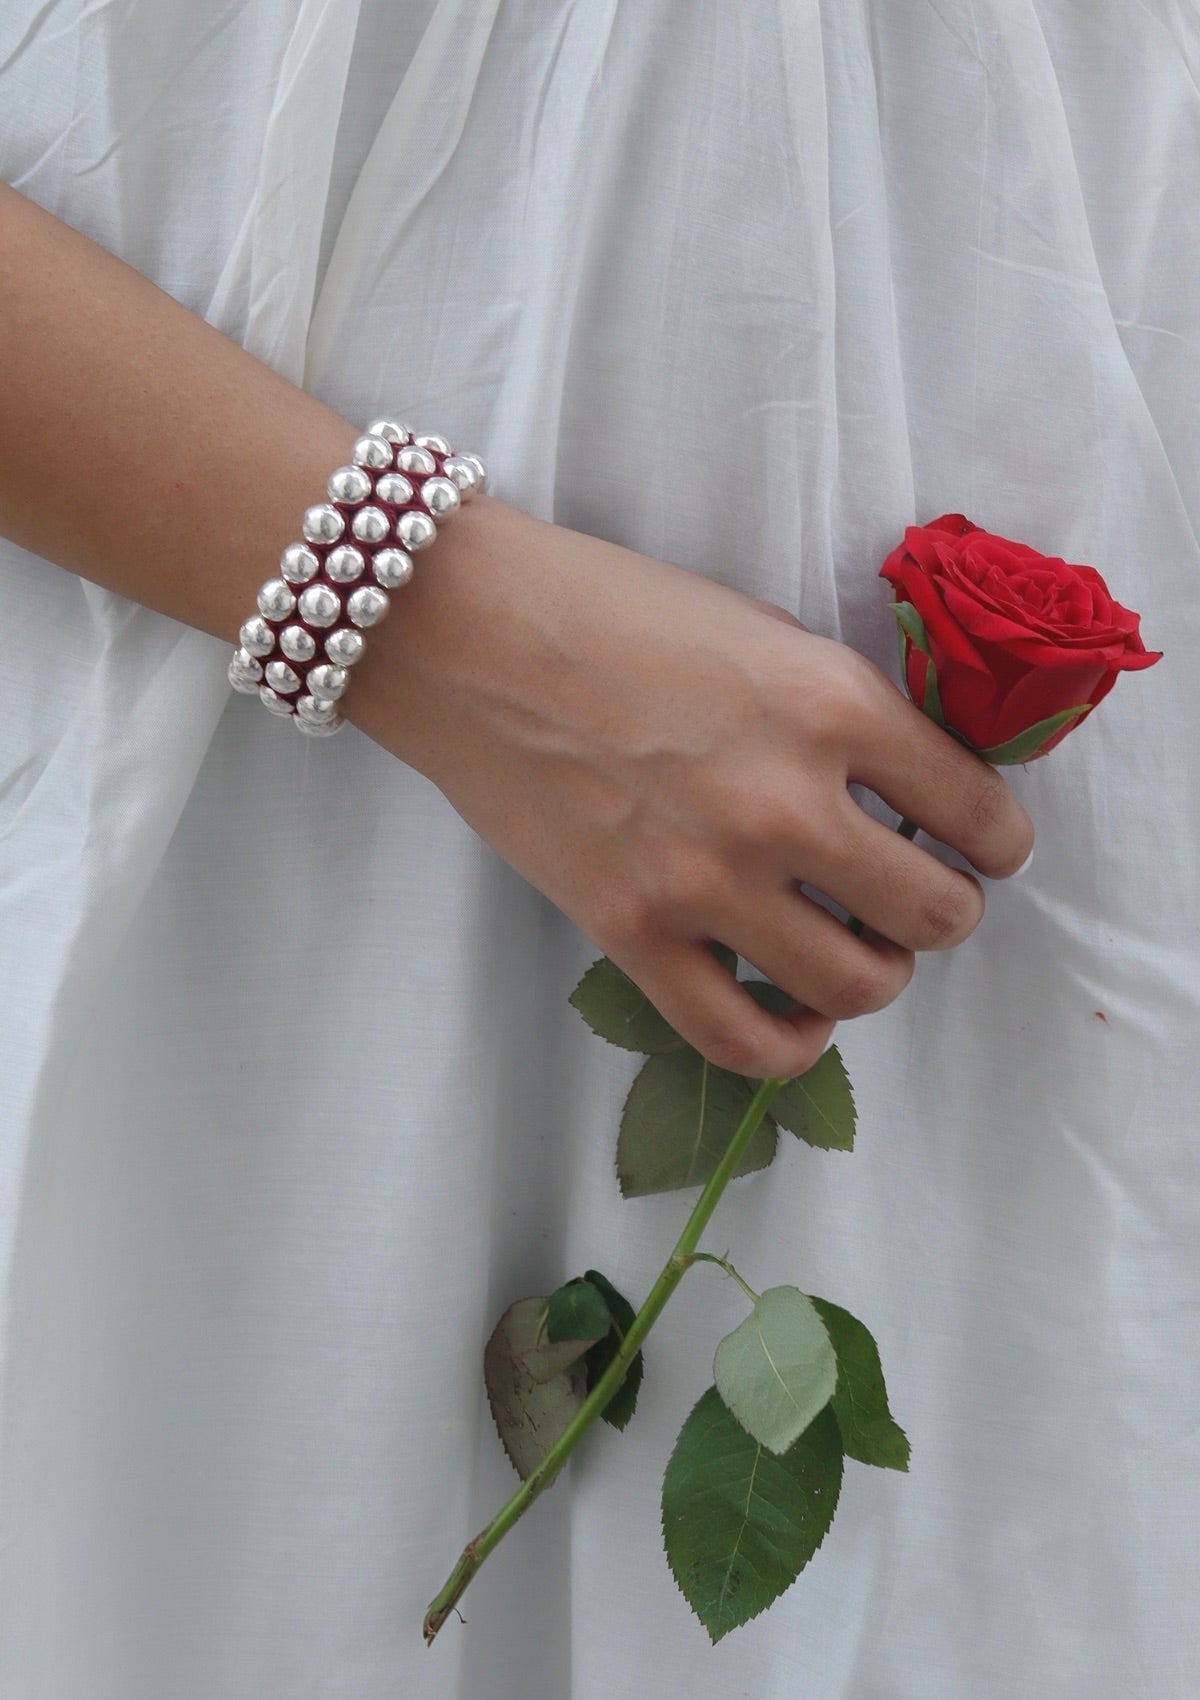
(295, 653)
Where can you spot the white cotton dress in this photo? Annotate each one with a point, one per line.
(292, 1102)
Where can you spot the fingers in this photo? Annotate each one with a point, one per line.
(929, 777)
(899, 890)
(706, 1006)
(802, 948)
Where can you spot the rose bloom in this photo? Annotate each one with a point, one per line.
(1015, 637)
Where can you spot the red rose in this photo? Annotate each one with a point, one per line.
(1008, 648)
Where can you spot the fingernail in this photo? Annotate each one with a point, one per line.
(1024, 865)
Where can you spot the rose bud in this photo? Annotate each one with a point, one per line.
(1009, 649)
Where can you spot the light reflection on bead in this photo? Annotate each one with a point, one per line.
(463, 476)
(480, 468)
(345, 563)
(391, 430)
(429, 441)
(440, 496)
(297, 644)
(370, 525)
(245, 673)
(366, 607)
(316, 713)
(326, 683)
(372, 451)
(257, 636)
(415, 530)
(322, 524)
(395, 489)
(276, 599)
(418, 460)
(277, 705)
(344, 646)
(298, 563)
(392, 567)
(320, 729)
(281, 677)
(319, 605)
(348, 484)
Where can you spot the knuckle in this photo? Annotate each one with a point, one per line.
(861, 993)
(694, 890)
(623, 919)
(953, 913)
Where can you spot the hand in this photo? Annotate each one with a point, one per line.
(668, 760)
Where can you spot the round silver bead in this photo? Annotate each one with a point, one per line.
(245, 673)
(326, 683)
(392, 567)
(416, 459)
(256, 636)
(281, 677)
(322, 524)
(370, 525)
(345, 563)
(429, 441)
(480, 468)
(390, 430)
(348, 484)
(277, 705)
(276, 599)
(366, 607)
(298, 563)
(395, 489)
(440, 496)
(415, 530)
(320, 729)
(344, 646)
(373, 451)
(315, 711)
(297, 644)
(462, 475)
(319, 605)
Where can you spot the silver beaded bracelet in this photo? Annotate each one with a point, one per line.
(296, 652)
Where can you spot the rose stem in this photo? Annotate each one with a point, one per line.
(676, 1266)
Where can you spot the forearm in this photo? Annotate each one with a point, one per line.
(139, 447)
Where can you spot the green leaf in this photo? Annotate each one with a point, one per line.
(818, 1106)
(911, 625)
(777, 1370)
(619, 1011)
(529, 1414)
(621, 1406)
(869, 1432)
(577, 1312)
(678, 1119)
(1026, 744)
(739, 1523)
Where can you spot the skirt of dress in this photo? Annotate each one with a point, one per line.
(293, 1103)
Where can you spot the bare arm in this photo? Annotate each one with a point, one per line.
(655, 752)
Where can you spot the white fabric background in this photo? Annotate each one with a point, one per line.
(292, 1100)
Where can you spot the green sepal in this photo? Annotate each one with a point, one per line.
(1026, 744)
